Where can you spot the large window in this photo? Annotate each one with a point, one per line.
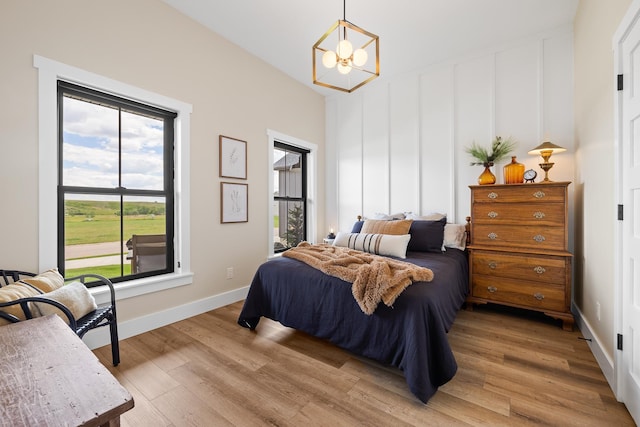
(289, 196)
(115, 185)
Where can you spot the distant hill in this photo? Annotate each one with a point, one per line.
(95, 208)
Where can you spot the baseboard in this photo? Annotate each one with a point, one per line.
(100, 337)
(604, 361)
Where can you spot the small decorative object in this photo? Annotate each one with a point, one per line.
(513, 172)
(233, 202)
(545, 150)
(331, 236)
(233, 158)
(530, 175)
(500, 149)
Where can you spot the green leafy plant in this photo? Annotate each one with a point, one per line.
(500, 149)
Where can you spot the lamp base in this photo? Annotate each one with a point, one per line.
(545, 167)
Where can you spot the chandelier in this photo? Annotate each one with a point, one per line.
(341, 56)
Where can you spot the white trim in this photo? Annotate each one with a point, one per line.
(595, 345)
(312, 183)
(100, 337)
(49, 72)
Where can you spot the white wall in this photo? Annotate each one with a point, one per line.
(595, 25)
(149, 45)
(399, 145)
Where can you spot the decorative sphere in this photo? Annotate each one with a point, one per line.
(329, 59)
(360, 57)
(344, 68)
(344, 49)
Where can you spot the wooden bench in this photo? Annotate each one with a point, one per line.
(49, 377)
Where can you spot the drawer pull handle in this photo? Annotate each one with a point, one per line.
(539, 269)
(538, 215)
(539, 194)
(492, 195)
(493, 265)
(492, 289)
(492, 214)
(538, 296)
(539, 238)
(492, 236)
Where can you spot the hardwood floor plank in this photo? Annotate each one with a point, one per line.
(185, 408)
(513, 370)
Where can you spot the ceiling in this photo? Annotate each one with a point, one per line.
(413, 33)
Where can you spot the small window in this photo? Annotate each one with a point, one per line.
(115, 185)
(289, 196)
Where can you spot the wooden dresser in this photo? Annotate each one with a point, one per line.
(518, 254)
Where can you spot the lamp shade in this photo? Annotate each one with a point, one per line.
(546, 147)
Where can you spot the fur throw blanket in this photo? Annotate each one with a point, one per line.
(374, 278)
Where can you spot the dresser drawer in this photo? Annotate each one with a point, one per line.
(546, 269)
(518, 194)
(519, 292)
(527, 237)
(519, 213)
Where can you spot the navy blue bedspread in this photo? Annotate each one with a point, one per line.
(411, 335)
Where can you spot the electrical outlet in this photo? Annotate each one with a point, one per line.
(598, 310)
(230, 274)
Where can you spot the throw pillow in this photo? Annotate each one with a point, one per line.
(75, 296)
(377, 226)
(455, 236)
(14, 292)
(379, 244)
(427, 236)
(48, 281)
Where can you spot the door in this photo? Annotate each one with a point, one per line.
(628, 360)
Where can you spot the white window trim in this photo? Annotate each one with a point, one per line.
(49, 72)
(312, 179)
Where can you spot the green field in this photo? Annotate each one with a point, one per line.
(97, 222)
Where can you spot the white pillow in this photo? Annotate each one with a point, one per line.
(433, 216)
(386, 217)
(455, 236)
(379, 244)
(74, 296)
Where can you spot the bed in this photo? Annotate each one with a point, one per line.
(411, 334)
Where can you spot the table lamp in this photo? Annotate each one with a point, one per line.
(546, 149)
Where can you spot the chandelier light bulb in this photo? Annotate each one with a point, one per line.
(329, 59)
(344, 49)
(360, 57)
(344, 68)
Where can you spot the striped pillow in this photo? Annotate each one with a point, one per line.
(379, 244)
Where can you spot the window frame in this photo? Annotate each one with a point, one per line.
(311, 180)
(49, 72)
(67, 89)
(303, 152)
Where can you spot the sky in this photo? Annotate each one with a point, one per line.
(90, 147)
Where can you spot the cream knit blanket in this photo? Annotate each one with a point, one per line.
(374, 278)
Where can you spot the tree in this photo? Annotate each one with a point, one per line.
(295, 225)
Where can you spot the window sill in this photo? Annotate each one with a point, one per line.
(147, 285)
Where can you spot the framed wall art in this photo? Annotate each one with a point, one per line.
(233, 158)
(234, 202)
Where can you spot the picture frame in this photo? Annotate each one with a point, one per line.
(234, 202)
(232, 157)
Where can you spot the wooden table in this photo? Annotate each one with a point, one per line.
(49, 377)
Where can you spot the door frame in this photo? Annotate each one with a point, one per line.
(630, 18)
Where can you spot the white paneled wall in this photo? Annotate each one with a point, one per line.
(399, 145)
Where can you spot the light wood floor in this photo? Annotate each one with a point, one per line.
(208, 371)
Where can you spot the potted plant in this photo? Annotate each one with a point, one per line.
(500, 149)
